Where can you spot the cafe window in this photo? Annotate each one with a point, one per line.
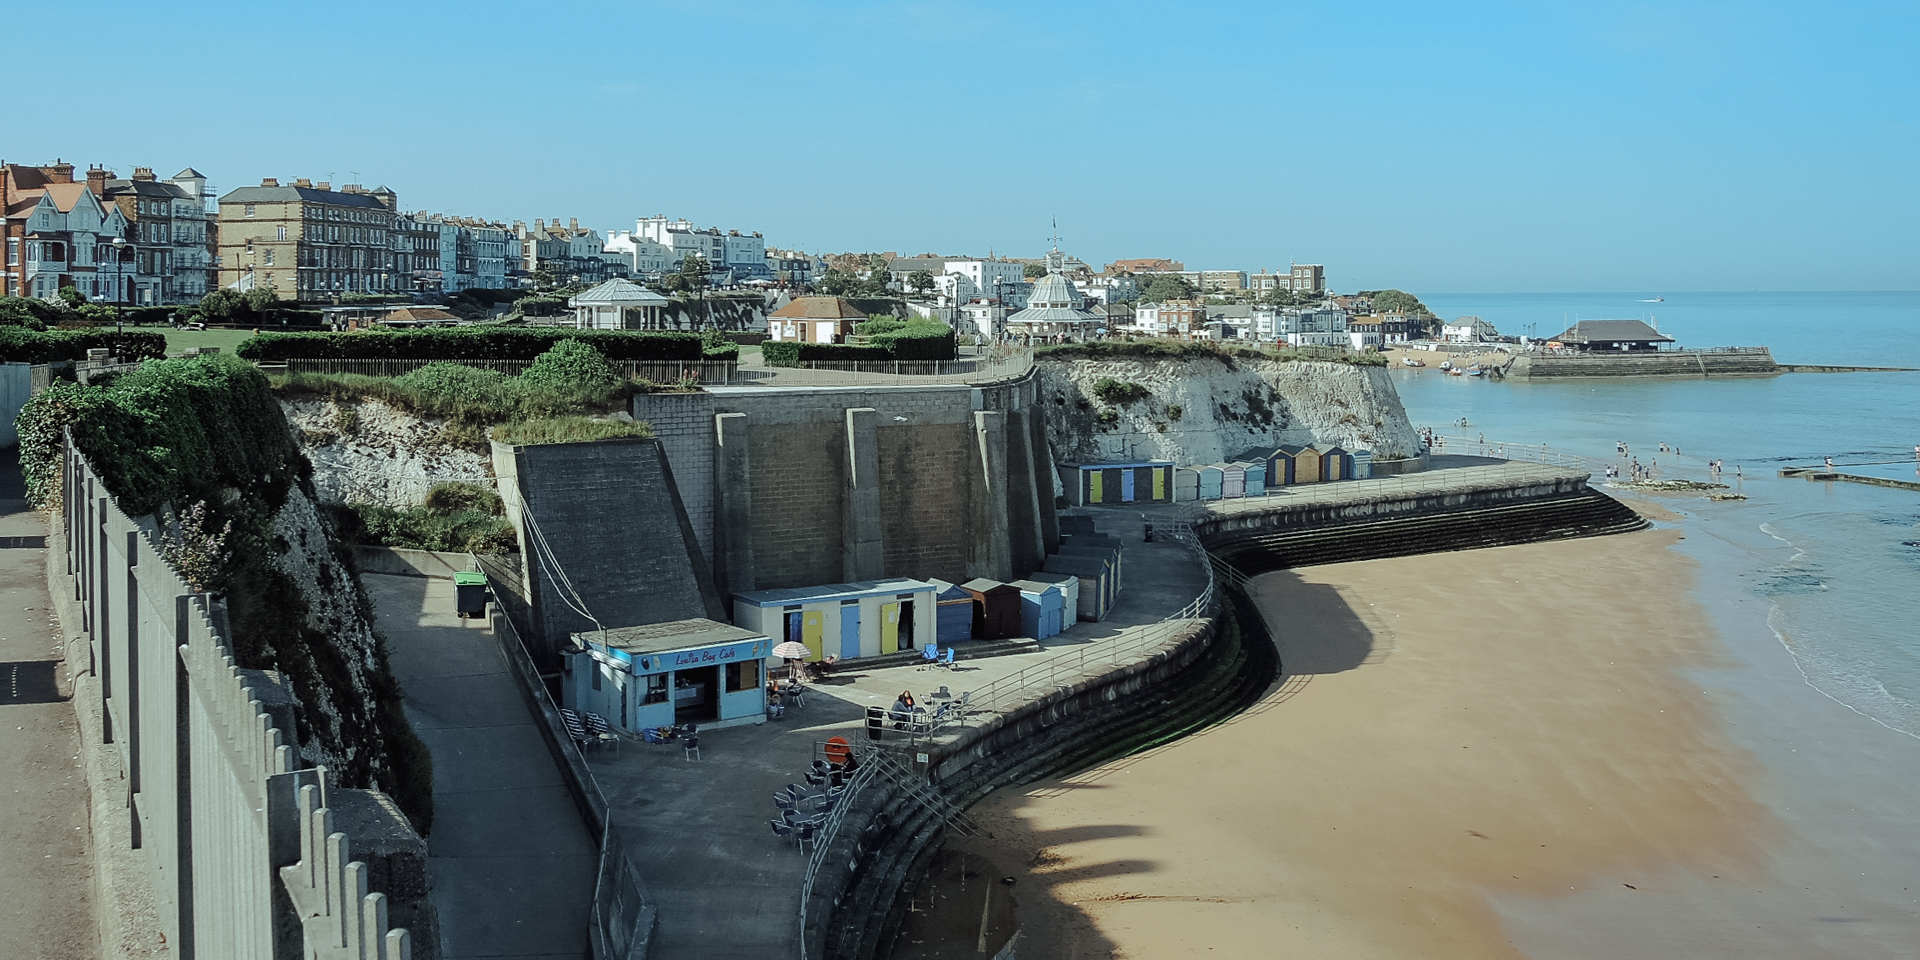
(656, 688)
(743, 675)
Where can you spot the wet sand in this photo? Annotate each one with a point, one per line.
(1458, 734)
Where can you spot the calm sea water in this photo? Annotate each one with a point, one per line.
(1838, 563)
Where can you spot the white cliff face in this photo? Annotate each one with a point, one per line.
(368, 452)
(1208, 411)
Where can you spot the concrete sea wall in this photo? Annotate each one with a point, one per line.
(1758, 362)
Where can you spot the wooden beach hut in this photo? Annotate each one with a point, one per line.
(1212, 479)
(996, 609)
(1306, 465)
(1333, 462)
(1096, 580)
(1233, 480)
(1042, 608)
(1362, 464)
(845, 620)
(1186, 484)
(953, 618)
(1069, 585)
(1144, 481)
(1255, 473)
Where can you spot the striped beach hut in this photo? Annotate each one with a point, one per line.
(1233, 480)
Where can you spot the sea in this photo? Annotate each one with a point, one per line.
(1837, 565)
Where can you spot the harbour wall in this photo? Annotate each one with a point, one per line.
(1757, 361)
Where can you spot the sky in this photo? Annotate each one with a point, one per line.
(1430, 146)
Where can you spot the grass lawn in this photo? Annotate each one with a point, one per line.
(178, 340)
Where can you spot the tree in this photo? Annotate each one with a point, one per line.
(1167, 286)
(694, 271)
(920, 280)
(72, 296)
(1399, 301)
(1033, 270)
(879, 280)
(833, 283)
(261, 299)
(543, 278)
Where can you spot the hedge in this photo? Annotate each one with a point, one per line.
(20, 345)
(467, 343)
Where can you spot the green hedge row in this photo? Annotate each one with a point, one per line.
(467, 343)
(21, 345)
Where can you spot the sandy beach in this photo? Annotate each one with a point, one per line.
(1454, 731)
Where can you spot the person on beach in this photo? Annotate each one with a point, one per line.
(902, 710)
(1829, 464)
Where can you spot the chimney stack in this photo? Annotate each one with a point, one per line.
(324, 185)
(144, 174)
(539, 224)
(573, 223)
(269, 182)
(303, 182)
(97, 180)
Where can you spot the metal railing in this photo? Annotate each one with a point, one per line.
(1071, 667)
(1502, 450)
(657, 371)
(970, 370)
(829, 832)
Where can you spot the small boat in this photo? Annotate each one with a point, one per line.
(1455, 372)
(1446, 364)
(1477, 372)
(1411, 362)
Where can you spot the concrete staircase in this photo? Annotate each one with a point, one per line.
(1559, 517)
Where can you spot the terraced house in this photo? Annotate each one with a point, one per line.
(308, 241)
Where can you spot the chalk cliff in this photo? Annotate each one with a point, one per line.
(368, 452)
(1204, 410)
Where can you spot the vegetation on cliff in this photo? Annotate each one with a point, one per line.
(201, 444)
(456, 517)
(1158, 349)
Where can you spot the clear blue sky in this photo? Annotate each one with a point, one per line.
(1431, 146)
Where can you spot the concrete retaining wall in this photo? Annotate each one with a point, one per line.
(16, 385)
(1281, 515)
(247, 853)
(402, 562)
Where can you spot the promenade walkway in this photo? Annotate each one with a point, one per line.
(513, 864)
(726, 887)
(46, 848)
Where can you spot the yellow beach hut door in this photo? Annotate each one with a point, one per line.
(811, 629)
(890, 628)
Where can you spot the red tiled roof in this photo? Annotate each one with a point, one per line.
(818, 308)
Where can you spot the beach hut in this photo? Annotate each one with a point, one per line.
(1362, 464)
(1261, 457)
(1306, 465)
(1255, 477)
(1333, 461)
(685, 671)
(1098, 545)
(845, 620)
(1145, 481)
(996, 609)
(1186, 484)
(1212, 481)
(1233, 480)
(1069, 585)
(1096, 582)
(1042, 608)
(953, 620)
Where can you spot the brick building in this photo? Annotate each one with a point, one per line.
(59, 233)
(307, 241)
(168, 230)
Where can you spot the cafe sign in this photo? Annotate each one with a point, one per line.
(702, 657)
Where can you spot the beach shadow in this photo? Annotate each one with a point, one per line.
(1313, 626)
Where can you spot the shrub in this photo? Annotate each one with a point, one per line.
(447, 388)
(490, 342)
(19, 344)
(1120, 393)
(448, 498)
(571, 365)
(1175, 411)
(780, 353)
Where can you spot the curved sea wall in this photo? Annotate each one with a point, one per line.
(1757, 362)
(1206, 410)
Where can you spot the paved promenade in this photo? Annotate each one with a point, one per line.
(46, 847)
(513, 864)
(725, 885)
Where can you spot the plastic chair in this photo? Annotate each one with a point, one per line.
(816, 778)
(693, 748)
(781, 830)
(803, 831)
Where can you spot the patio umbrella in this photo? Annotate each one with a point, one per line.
(790, 651)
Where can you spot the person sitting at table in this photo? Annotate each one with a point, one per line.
(775, 709)
(902, 710)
